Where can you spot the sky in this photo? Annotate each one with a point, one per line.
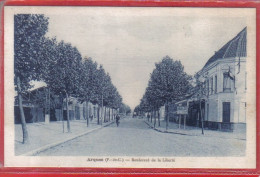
(129, 41)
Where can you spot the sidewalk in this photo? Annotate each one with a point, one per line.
(194, 131)
(43, 136)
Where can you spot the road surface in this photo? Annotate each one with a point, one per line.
(134, 138)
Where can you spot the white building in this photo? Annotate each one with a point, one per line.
(225, 74)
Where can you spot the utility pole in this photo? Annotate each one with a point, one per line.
(102, 108)
(202, 80)
(167, 114)
(202, 119)
(49, 104)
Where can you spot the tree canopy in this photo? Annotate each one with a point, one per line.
(29, 32)
(168, 83)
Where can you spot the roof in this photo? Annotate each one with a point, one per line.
(236, 47)
(185, 99)
(37, 84)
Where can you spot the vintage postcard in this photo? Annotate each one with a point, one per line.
(130, 87)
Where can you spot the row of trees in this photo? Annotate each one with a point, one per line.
(168, 84)
(59, 65)
(124, 109)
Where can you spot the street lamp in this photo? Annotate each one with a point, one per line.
(202, 80)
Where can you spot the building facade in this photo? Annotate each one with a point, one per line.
(36, 106)
(225, 82)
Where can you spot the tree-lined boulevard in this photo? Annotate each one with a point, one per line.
(70, 76)
(62, 68)
(67, 74)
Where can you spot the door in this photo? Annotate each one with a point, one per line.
(226, 111)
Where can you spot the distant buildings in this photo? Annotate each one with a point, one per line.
(37, 108)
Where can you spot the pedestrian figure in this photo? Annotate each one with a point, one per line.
(117, 120)
(148, 116)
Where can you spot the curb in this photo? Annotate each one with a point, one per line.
(165, 131)
(43, 148)
(161, 131)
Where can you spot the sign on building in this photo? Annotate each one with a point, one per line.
(181, 109)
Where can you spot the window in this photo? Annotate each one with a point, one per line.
(211, 85)
(226, 82)
(207, 87)
(216, 84)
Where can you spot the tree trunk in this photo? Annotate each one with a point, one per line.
(98, 115)
(159, 118)
(87, 114)
(202, 120)
(154, 118)
(112, 113)
(105, 114)
(62, 113)
(84, 111)
(74, 110)
(67, 109)
(167, 114)
(108, 114)
(20, 100)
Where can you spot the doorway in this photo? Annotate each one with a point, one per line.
(226, 112)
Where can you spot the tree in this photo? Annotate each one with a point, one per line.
(105, 93)
(124, 109)
(112, 98)
(29, 31)
(137, 110)
(63, 76)
(152, 99)
(171, 82)
(200, 91)
(145, 105)
(99, 85)
(168, 83)
(128, 109)
(86, 87)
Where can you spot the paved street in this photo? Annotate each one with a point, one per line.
(134, 138)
